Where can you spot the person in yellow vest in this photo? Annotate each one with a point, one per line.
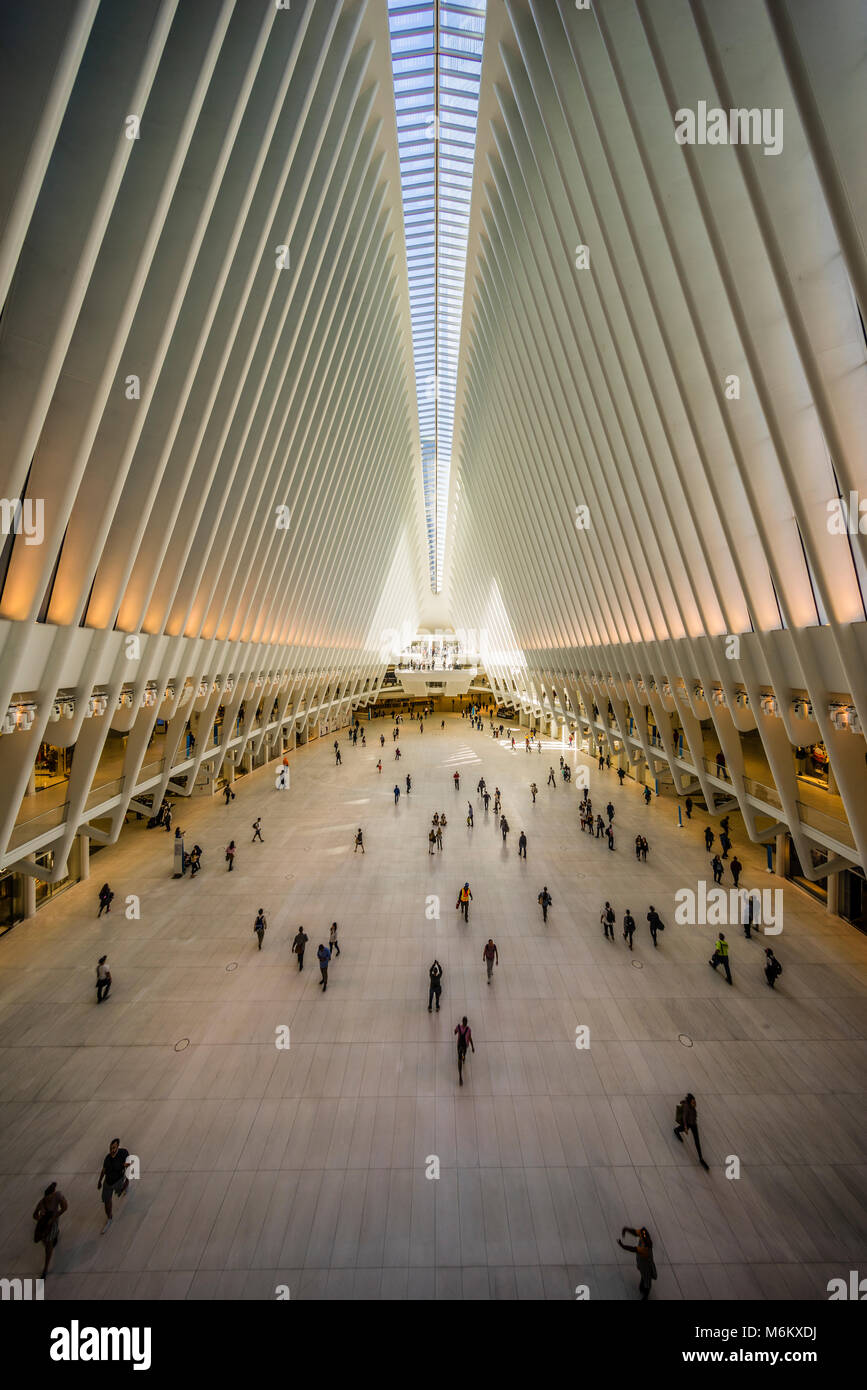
(463, 902)
(721, 956)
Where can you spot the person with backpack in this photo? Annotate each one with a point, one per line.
(103, 980)
(463, 902)
(324, 958)
(717, 867)
(643, 1253)
(465, 1040)
(435, 988)
(359, 842)
(105, 897)
(647, 796)
(628, 927)
(299, 942)
(230, 855)
(545, 901)
(773, 969)
(260, 925)
(490, 956)
(49, 1209)
(607, 918)
(257, 829)
(655, 923)
(504, 826)
(685, 1115)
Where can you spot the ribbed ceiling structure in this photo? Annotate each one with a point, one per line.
(210, 383)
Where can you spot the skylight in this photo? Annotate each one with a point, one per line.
(436, 52)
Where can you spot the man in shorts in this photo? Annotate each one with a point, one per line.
(112, 1178)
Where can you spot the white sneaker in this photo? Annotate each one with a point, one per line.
(106, 1226)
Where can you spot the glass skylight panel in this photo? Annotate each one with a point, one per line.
(436, 51)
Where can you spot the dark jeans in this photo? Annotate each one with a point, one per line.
(682, 1129)
(717, 959)
(609, 927)
(300, 955)
(434, 991)
(465, 909)
(324, 972)
(102, 988)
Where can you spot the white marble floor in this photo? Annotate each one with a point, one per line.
(307, 1167)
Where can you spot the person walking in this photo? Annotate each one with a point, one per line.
(545, 901)
(773, 969)
(257, 829)
(105, 897)
(607, 918)
(457, 781)
(643, 1252)
(504, 826)
(324, 958)
(465, 1040)
(717, 866)
(491, 957)
(359, 842)
(230, 855)
(408, 784)
(469, 813)
(103, 980)
(397, 754)
(435, 988)
(620, 775)
(480, 786)
(534, 792)
(49, 1209)
(628, 927)
(552, 780)
(685, 1115)
(708, 838)
(721, 956)
(228, 794)
(298, 943)
(643, 848)
(522, 845)
(260, 925)
(382, 740)
(486, 796)
(655, 923)
(332, 940)
(463, 902)
(379, 766)
(688, 807)
(638, 847)
(609, 831)
(647, 795)
(725, 844)
(600, 826)
(112, 1178)
(337, 758)
(747, 913)
(431, 840)
(609, 810)
(439, 836)
(736, 866)
(396, 793)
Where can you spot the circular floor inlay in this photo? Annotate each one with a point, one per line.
(233, 965)
(684, 1040)
(184, 1043)
(637, 965)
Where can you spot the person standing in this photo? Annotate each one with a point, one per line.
(457, 781)
(491, 957)
(686, 1124)
(332, 940)
(654, 921)
(112, 1178)
(439, 837)
(408, 784)
(324, 957)
(379, 766)
(747, 913)
(396, 793)
(49, 1209)
(504, 826)
(607, 918)
(688, 807)
(708, 838)
(717, 867)
(600, 826)
(628, 927)
(260, 925)
(736, 866)
(721, 956)
(431, 840)
(436, 985)
(552, 780)
(230, 855)
(620, 775)
(545, 901)
(609, 831)
(105, 897)
(465, 1040)
(643, 1253)
(534, 792)
(359, 842)
(773, 969)
(103, 980)
(299, 942)
(725, 844)
(463, 902)
(522, 845)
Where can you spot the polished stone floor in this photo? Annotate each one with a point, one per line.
(306, 1167)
